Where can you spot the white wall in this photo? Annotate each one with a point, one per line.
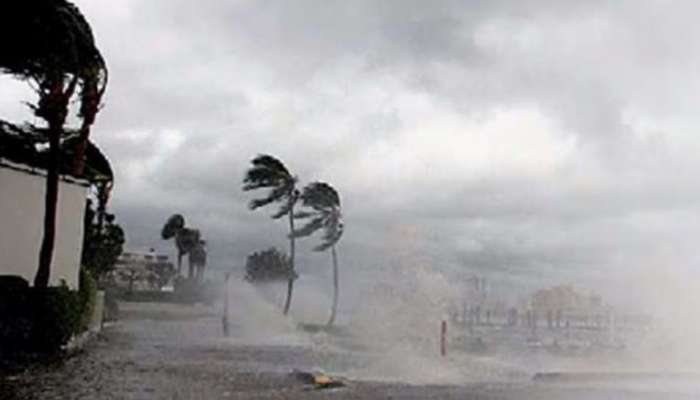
(21, 223)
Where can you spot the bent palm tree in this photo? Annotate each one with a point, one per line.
(270, 173)
(324, 202)
(50, 44)
(186, 240)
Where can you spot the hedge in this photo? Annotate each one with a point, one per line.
(43, 319)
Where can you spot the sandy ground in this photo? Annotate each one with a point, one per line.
(164, 351)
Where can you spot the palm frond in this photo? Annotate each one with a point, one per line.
(333, 231)
(172, 226)
(276, 194)
(270, 162)
(309, 228)
(320, 196)
(257, 178)
(283, 210)
(267, 171)
(304, 214)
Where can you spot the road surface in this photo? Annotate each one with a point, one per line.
(166, 351)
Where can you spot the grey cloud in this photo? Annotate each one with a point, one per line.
(333, 88)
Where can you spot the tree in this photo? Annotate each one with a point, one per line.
(50, 44)
(325, 213)
(270, 173)
(186, 239)
(103, 238)
(160, 273)
(102, 243)
(132, 274)
(269, 265)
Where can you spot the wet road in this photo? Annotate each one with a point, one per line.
(161, 351)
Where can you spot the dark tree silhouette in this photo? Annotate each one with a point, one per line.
(269, 265)
(160, 273)
(50, 44)
(198, 258)
(325, 214)
(186, 240)
(102, 243)
(103, 238)
(270, 173)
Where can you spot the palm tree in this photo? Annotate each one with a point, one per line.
(186, 240)
(50, 44)
(270, 173)
(324, 202)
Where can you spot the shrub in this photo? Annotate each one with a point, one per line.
(15, 322)
(43, 319)
(56, 315)
(269, 265)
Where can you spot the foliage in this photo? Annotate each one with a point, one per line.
(172, 226)
(132, 274)
(160, 274)
(268, 266)
(50, 44)
(101, 245)
(270, 173)
(187, 241)
(56, 45)
(324, 204)
(56, 317)
(44, 319)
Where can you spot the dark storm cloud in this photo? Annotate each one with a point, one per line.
(520, 138)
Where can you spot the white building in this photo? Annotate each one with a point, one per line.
(141, 267)
(22, 190)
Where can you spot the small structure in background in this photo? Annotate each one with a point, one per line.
(148, 270)
(563, 305)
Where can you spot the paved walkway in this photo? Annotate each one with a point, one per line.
(164, 351)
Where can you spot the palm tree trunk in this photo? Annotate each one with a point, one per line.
(334, 309)
(53, 107)
(43, 273)
(290, 282)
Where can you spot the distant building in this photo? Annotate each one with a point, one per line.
(143, 270)
(565, 297)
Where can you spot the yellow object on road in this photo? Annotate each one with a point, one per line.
(322, 380)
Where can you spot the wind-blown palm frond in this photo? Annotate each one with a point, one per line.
(50, 43)
(172, 226)
(310, 227)
(276, 194)
(268, 172)
(324, 202)
(331, 236)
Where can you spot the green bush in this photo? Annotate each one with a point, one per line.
(44, 319)
(56, 314)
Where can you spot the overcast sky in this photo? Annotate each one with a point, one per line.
(537, 141)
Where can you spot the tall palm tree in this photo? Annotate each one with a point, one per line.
(50, 44)
(270, 173)
(324, 202)
(186, 240)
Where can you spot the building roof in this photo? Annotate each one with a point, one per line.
(26, 146)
